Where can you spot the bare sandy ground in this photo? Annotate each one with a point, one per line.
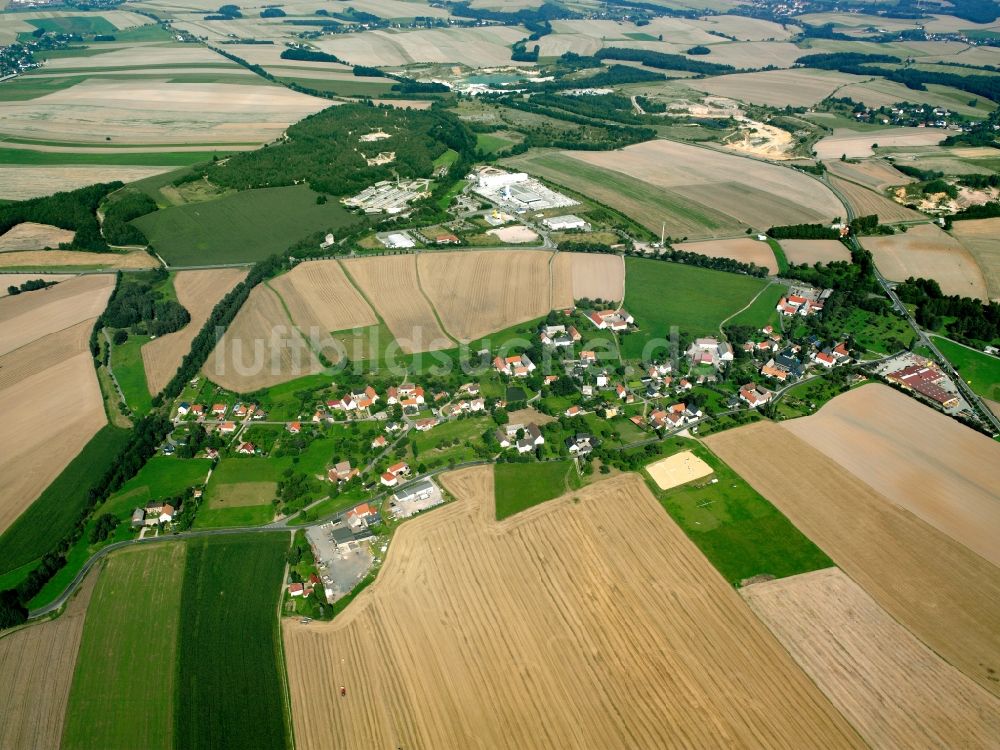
(927, 251)
(16, 279)
(893, 689)
(815, 251)
(36, 672)
(678, 469)
(938, 589)
(199, 292)
(881, 436)
(981, 237)
(479, 634)
(23, 182)
(60, 258)
(30, 316)
(516, 235)
(31, 236)
(744, 249)
(856, 144)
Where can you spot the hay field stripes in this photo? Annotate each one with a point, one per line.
(893, 689)
(479, 292)
(199, 292)
(475, 629)
(261, 347)
(927, 251)
(319, 295)
(865, 202)
(938, 589)
(476, 47)
(36, 671)
(879, 436)
(981, 237)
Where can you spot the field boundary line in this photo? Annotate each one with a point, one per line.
(437, 316)
(288, 314)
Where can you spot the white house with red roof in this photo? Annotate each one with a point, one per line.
(614, 320)
(379, 442)
(342, 472)
(824, 359)
(518, 365)
(247, 449)
(227, 428)
(423, 425)
(754, 395)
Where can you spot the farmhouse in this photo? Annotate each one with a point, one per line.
(138, 517)
(247, 449)
(559, 336)
(379, 442)
(614, 320)
(394, 473)
(581, 444)
(709, 351)
(532, 436)
(518, 366)
(754, 395)
(342, 472)
(824, 359)
(167, 514)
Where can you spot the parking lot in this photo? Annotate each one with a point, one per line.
(340, 568)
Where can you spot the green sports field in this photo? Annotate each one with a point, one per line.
(241, 228)
(520, 486)
(123, 692)
(660, 295)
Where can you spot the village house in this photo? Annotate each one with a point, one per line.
(610, 411)
(559, 336)
(379, 442)
(247, 449)
(518, 366)
(294, 427)
(708, 351)
(392, 475)
(167, 513)
(470, 388)
(361, 516)
(183, 408)
(211, 453)
(219, 409)
(138, 517)
(227, 428)
(240, 411)
(841, 353)
(423, 425)
(318, 416)
(614, 320)
(825, 359)
(573, 411)
(754, 395)
(342, 472)
(507, 436)
(684, 385)
(588, 357)
(580, 444)
(197, 410)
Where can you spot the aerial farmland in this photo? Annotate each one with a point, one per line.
(504, 373)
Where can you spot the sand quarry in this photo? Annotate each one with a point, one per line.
(939, 589)
(484, 634)
(678, 469)
(927, 251)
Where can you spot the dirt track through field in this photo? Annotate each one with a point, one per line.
(479, 292)
(199, 292)
(942, 592)
(556, 628)
(36, 672)
(894, 690)
(880, 436)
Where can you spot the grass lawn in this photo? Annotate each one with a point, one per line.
(160, 478)
(696, 300)
(434, 448)
(520, 486)
(489, 143)
(980, 370)
(130, 372)
(882, 334)
(779, 255)
(123, 688)
(344, 86)
(243, 515)
(241, 227)
(446, 159)
(762, 312)
(109, 156)
(241, 494)
(232, 667)
(740, 532)
(74, 25)
(56, 510)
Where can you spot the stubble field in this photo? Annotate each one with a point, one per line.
(872, 173)
(815, 251)
(880, 435)
(590, 275)
(16, 279)
(319, 295)
(744, 249)
(76, 259)
(464, 639)
(777, 88)
(927, 251)
(199, 292)
(475, 47)
(893, 689)
(938, 589)
(866, 202)
(36, 671)
(23, 182)
(981, 237)
(857, 145)
(31, 236)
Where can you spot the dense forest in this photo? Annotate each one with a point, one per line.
(324, 150)
(137, 304)
(804, 232)
(965, 319)
(75, 210)
(119, 212)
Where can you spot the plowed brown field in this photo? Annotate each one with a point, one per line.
(590, 275)
(926, 251)
(880, 436)
(942, 592)
(893, 689)
(319, 295)
(199, 292)
(556, 628)
(391, 284)
(261, 348)
(36, 671)
(865, 202)
(479, 292)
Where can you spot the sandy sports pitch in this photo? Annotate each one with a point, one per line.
(515, 235)
(743, 249)
(31, 236)
(981, 237)
(938, 589)
(464, 642)
(927, 251)
(856, 145)
(815, 251)
(884, 438)
(678, 469)
(199, 292)
(893, 689)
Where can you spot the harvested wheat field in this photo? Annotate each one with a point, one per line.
(31, 236)
(20, 183)
(479, 292)
(893, 689)
(678, 469)
(927, 251)
(476, 47)
(390, 283)
(261, 348)
(815, 251)
(743, 249)
(16, 279)
(590, 275)
(77, 259)
(856, 145)
(938, 589)
(319, 295)
(866, 202)
(981, 237)
(32, 315)
(44, 352)
(484, 634)
(880, 435)
(740, 192)
(872, 173)
(36, 672)
(199, 292)
(801, 87)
